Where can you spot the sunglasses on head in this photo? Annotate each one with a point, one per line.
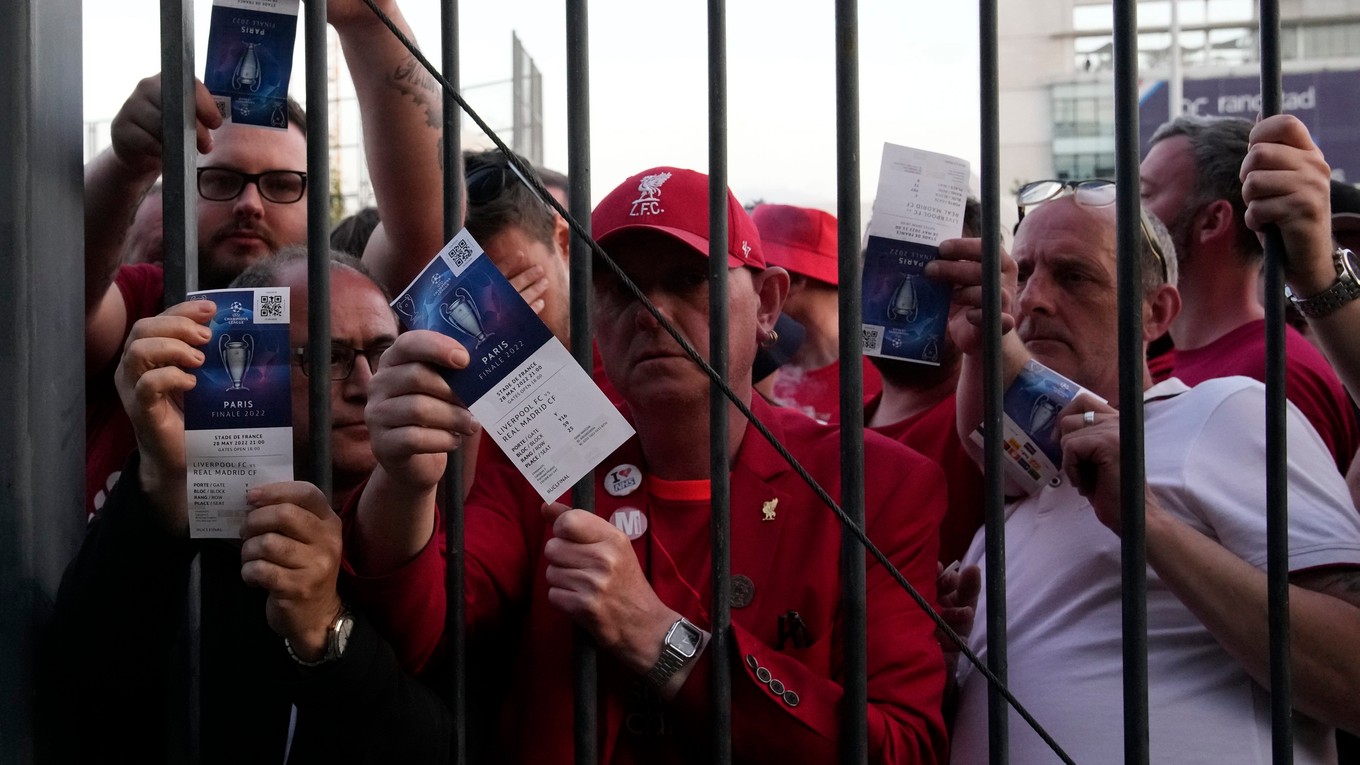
(1095, 192)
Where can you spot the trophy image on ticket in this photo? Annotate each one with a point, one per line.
(248, 71)
(406, 306)
(1043, 414)
(903, 303)
(463, 315)
(236, 357)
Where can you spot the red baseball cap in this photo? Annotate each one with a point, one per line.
(801, 239)
(674, 202)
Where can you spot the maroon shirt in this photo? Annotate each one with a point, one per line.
(1310, 382)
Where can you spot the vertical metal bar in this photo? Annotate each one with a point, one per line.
(585, 661)
(854, 747)
(1277, 486)
(42, 309)
(720, 688)
(1133, 552)
(318, 247)
(998, 738)
(179, 198)
(455, 616)
(179, 157)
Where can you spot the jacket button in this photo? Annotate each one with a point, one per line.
(751, 661)
(763, 675)
(791, 698)
(777, 687)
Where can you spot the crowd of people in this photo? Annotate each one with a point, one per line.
(323, 629)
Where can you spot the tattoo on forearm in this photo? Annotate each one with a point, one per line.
(412, 80)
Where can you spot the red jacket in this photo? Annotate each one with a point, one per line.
(791, 562)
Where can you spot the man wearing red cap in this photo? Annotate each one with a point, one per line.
(635, 574)
(803, 241)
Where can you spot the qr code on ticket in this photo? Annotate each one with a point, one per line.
(223, 105)
(271, 308)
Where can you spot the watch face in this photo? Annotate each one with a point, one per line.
(1350, 262)
(685, 639)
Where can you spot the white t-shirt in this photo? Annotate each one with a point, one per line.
(1206, 463)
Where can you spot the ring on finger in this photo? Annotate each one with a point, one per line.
(1088, 419)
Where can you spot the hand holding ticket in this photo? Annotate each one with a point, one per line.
(541, 408)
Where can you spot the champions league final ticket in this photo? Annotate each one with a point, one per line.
(1031, 408)
(542, 409)
(238, 418)
(250, 60)
(920, 203)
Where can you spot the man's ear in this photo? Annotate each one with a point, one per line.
(1215, 222)
(1159, 310)
(562, 236)
(771, 288)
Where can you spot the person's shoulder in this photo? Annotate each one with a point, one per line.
(143, 288)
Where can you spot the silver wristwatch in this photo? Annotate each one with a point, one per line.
(1345, 289)
(681, 645)
(337, 637)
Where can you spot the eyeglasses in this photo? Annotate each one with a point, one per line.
(1096, 192)
(221, 184)
(490, 180)
(342, 359)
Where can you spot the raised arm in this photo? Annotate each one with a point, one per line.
(402, 113)
(1285, 182)
(960, 264)
(115, 182)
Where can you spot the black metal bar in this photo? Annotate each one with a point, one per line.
(42, 309)
(455, 616)
(720, 688)
(1277, 481)
(585, 660)
(179, 199)
(998, 736)
(854, 747)
(318, 247)
(1133, 552)
(179, 157)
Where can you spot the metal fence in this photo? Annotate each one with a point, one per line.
(40, 398)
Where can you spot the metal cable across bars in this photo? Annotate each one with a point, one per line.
(731, 395)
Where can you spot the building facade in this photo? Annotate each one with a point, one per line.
(1057, 87)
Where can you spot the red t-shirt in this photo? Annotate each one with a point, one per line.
(1310, 382)
(933, 434)
(817, 393)
(109, 439)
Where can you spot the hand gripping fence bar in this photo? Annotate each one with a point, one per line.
(731, 395)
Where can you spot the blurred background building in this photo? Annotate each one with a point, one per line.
(1057, 107)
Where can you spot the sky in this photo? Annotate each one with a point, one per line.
(649, 75)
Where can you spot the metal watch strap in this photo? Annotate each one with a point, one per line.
(670, 661)
(333, 648)
(1342, 291)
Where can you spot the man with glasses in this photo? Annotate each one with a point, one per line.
(1191, 180)
(1208, 662)
(251, 185)
(635, 573)
(278, 635)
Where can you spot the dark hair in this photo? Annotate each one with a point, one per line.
(265, 272)
(351, 234)
(514, 205)
(296, 115)
(972, 218)
(1219, 145)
